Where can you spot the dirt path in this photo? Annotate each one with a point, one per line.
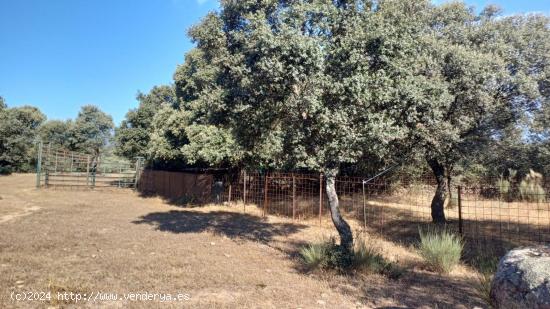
(117, 242)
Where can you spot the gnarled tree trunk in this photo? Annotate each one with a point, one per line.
(438, 201)
(343, 228)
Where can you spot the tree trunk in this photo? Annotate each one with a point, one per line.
(346, 236)
(438, 201)
(449, 190)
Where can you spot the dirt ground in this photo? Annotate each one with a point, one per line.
(92, 242)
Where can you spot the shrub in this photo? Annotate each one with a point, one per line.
(5, 170)
(318, 255)
(530, 188)
(326, 254)
(370, 259)
(440, 248)
(503, 186)
(367, 257)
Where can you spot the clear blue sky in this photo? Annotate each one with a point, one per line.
(61, 54)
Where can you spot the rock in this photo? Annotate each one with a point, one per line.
(522, 279)
(321, 302)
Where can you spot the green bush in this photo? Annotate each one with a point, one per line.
(319, 255)
(5, 170)
(370, 259)
(440, 248)
(503, 186)
(326, 254)
(530, 188)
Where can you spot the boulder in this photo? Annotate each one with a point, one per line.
(522, 279)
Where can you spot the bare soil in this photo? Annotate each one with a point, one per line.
(85, 241)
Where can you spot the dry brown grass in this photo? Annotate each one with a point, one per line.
(117, 241)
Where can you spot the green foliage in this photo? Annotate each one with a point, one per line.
(318, 255)
(57, 133)
(210, 144)
(133, 136)
(369, 258)
(530, 188)
(5, 170)
(92, 130)
(18, 130)
(326, 254)
(440, 248)
(168, 135)
(503, 186)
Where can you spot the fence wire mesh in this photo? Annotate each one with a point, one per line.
(397, 207)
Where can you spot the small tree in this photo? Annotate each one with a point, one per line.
(494, 71)
(92, 130)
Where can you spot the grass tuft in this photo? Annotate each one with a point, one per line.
(486, 262)
(365, 258)
(440, 248)
(318, 255)
(369, 258)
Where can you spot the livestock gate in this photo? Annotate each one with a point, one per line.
(62, 168)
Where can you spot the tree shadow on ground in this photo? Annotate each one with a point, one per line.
(416, 290)
(229, 224)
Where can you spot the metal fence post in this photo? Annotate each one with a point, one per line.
(266, 201)
(229, 195)
(138, 172)
(364, 208)
(87, 170)
(460, 229)
(244, 190)
(320, 198)
(39, 164)
(293, 197)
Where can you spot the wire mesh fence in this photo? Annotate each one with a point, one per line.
(397, 207)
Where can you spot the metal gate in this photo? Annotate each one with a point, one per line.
(62, 168)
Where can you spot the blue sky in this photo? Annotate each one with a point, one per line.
(61, 54)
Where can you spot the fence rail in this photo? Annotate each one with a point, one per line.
(63, 168)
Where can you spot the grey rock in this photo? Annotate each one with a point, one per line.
(522, 279)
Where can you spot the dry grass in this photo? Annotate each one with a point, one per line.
(117, 241)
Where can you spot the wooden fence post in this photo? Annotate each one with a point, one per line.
(293, 197)
(320, 198)
(460, 228)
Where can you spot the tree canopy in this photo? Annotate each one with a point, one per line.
(91, 131)
(319, 85)
(132, 138)
(18, 128)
